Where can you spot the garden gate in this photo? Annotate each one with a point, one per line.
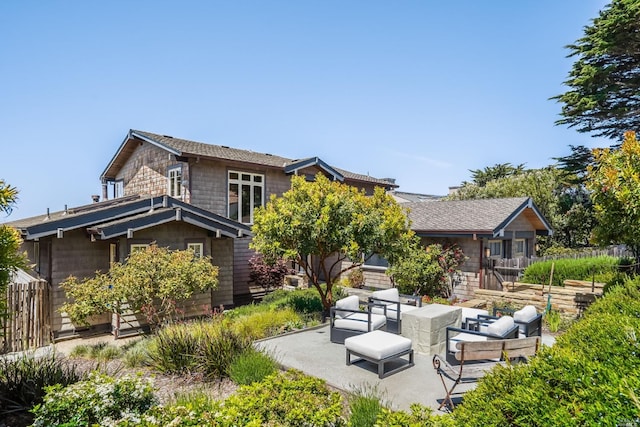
(28, 323)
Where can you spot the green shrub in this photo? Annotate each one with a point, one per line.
(98, 400)
(419, 416)
(364, 406)
(262, 324)
(251, 366)
(591, 376)
(23, 380)
(553, 320)
(286, 399)
(137, 354)
(568, 268)
(207, 347)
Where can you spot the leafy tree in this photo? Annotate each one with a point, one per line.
(614, 181)
(501, 170)
(574, 166)
(425, 271)
(320, 224)
(10, 258)
(150, 282)
(8, 197)
(604, 81)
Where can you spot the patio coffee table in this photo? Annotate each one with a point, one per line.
(379, 347)
(426, 327)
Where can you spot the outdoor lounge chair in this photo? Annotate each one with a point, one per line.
(347, 319)
(390, 303)
(481, 330)
(529, 321)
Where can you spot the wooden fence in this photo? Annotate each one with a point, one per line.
(28, 324)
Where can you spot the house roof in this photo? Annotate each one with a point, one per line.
(405, 197)
(481, 217)
(183, 149)
(124, 216)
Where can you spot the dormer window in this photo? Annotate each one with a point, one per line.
(174, 182)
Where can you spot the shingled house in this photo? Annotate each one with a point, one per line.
(485, 230)
(178, 193)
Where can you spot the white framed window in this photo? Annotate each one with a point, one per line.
(495, 248)
(197, 248)
(174, 182)
(135, 247)
(118, 189)
(246, 192)
(519, 247)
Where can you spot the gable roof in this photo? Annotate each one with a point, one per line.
(124, 216)
(183, 149)
(481, 217)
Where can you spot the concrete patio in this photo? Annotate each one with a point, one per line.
(311, 352)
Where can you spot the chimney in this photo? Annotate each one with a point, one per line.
(95, 198)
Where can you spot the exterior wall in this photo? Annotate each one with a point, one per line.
(75, 254)
(209, 185)
(241, 256)
(145, 172)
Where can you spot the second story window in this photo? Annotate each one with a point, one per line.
(118, 189)
(174, 182)
(246, 192)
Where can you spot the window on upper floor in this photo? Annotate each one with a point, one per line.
(118, 189)
(174, 182)
(246, 192)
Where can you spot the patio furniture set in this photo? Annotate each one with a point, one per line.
(461, 339)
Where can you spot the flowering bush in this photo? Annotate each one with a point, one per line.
(268, 276)
(98, 400)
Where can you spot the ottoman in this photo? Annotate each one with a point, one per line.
(379, 347)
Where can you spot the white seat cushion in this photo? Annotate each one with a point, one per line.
(472, 313)
(453, 341)
(350, 303)
(501, 326)
(359, 322)
(392, 310)
(390, 294)
(526, 314)
(378, 344)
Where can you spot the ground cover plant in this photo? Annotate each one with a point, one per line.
(99, 399)
(283, 399)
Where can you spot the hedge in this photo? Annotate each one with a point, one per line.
(569, 268)
(591, 376)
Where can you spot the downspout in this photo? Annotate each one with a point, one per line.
(482, 262)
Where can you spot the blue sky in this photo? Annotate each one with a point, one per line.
(420, 91)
